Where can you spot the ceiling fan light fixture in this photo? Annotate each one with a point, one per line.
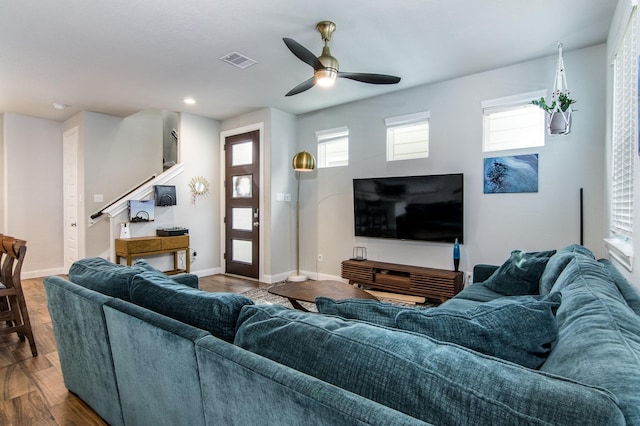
(326, 77)
(326, 66)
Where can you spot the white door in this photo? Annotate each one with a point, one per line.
(70, 196)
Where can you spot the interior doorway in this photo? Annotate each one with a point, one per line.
(71, 229)
(242, 204)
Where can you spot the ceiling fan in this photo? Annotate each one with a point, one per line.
(325, 66)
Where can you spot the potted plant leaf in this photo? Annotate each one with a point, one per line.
(558, 113)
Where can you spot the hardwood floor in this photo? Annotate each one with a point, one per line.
(33, 391)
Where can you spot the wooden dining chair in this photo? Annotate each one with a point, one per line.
(4, 301)
(16, 315)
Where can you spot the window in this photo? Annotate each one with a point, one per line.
(623, 139)
(408, 136)
(513, 122)
(333, 147)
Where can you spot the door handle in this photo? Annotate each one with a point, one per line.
(73, 224)
(256, 224)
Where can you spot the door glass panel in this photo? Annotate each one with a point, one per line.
(241, 153)
(242, 186)
(241, 218)
(241, 251)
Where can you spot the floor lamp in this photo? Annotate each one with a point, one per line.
(302, 162)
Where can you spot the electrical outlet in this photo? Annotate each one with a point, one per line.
(469, 277)
(320, 258)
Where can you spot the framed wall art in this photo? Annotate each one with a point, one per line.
(517, 173)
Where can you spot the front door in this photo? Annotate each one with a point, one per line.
(242, 204)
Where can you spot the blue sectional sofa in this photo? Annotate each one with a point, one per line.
(546, 338)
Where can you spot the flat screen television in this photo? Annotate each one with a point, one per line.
(423, 208)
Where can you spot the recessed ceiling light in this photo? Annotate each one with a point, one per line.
(189, 101)
(58, 105)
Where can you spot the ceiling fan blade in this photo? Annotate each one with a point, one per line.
(303, 53)
(305, 85)
(370, 78)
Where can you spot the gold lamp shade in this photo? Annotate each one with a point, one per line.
(304, 162)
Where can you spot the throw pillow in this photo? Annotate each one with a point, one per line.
(519, 275)
(371, 311)
(436, 382)
(215, 312)
(98, 274)
(543, 253)
(184, 278)
(518, 329)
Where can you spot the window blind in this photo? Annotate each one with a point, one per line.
(333, 147)
(625, 131)
(512, 122)
(408, 136)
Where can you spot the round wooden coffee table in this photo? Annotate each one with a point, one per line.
(308, 291)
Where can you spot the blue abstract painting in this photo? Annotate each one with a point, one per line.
(517, 173)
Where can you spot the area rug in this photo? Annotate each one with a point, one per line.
(261, 296)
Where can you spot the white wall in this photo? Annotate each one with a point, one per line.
(495, 224)
(118, 155)
(281, 253)
(199, 145)
(32, 206)
(200, 154)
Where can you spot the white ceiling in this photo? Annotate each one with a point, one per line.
(121, 56)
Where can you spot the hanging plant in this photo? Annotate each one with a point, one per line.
(564, 102)
(559, 110)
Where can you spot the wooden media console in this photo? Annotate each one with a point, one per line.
(431, 283)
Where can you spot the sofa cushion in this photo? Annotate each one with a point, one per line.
(478, 292)
(558, 262)
(598, 335)
(372, 311)
(519, 275)
(577, 249)
(214, 312)
(98, 274)
(82, 344)
(519, 329)
(437, 382)
(630, 295)
(187, 279)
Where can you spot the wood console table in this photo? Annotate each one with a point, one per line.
(414, 280)
(144, 246)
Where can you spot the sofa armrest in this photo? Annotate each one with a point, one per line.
(482, 271)
(187, 279)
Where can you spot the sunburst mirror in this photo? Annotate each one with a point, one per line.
(199, 187)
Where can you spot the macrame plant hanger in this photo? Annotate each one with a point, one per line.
(558, 121)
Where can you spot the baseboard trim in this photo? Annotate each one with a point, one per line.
(207, 272)
(41, 273)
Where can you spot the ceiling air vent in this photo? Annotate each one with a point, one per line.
(238, 60)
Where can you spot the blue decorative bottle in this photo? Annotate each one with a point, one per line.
(456, 256)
